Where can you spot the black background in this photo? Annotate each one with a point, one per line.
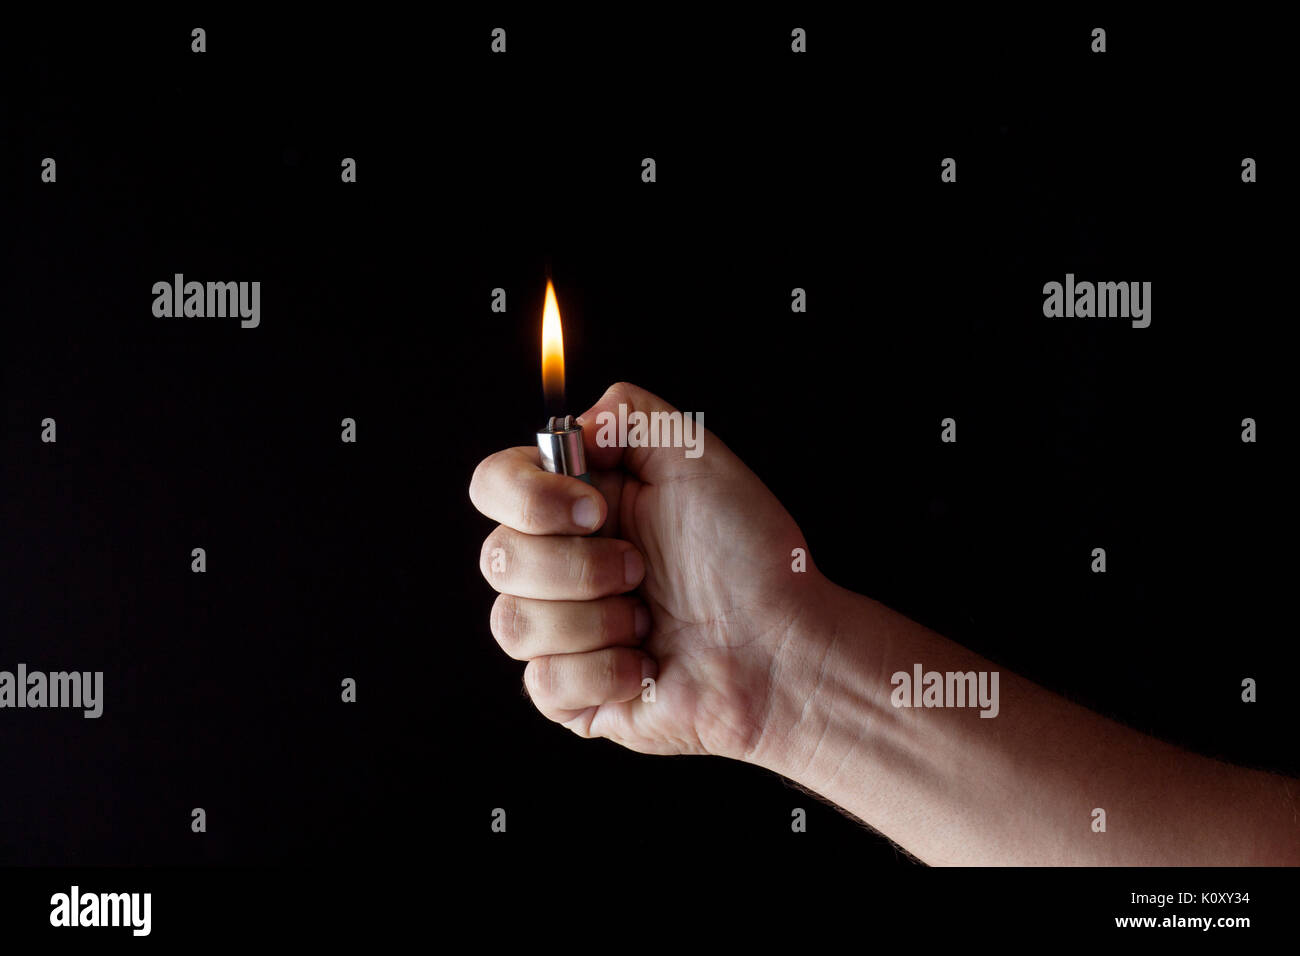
(476, 171)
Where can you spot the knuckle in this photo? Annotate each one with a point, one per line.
(485, 555)
(608, 619)
(526, 508)
(494, 557)
(583, 570)
(609, 671)
(509, 623)
(480, 481)
(476, 485)
(537, 676)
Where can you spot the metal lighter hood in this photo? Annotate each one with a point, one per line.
(560, 445)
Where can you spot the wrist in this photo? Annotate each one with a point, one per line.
(827, 691)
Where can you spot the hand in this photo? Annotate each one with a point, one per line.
(689, 583)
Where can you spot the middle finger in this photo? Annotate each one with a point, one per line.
(559, 567)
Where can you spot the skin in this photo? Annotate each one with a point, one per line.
(689, 582)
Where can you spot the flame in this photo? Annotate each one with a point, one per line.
(552, 349)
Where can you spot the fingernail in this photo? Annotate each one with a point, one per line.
(633, 566)
(642, 620)
(586, 512)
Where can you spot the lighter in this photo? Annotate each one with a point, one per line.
(560, 444)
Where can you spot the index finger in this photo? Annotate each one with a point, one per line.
(510, 487)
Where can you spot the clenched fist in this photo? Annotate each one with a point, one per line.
(689, 582)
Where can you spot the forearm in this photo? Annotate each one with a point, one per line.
(1017, 788)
